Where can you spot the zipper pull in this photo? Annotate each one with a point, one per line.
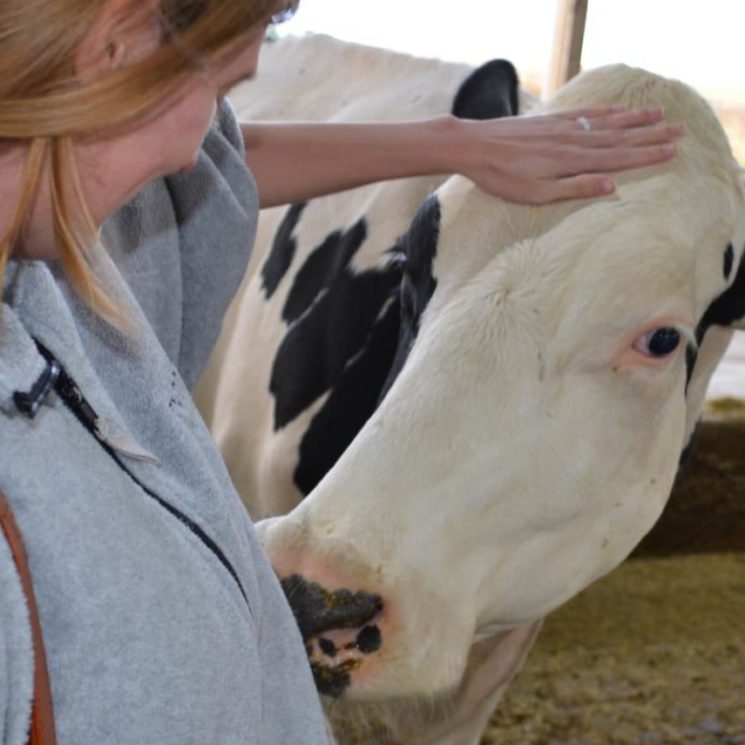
(67, 389)
(30, 403)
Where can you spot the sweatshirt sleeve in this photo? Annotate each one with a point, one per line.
(184, 242)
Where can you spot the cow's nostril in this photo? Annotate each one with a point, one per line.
(317, 609)
(327, 646)
(369, 639)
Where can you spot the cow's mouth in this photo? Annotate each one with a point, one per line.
(338, 627)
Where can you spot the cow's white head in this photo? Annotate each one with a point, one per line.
(551, 368)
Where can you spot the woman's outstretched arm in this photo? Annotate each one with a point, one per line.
(530, 159)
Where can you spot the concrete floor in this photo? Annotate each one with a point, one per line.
(654, 653)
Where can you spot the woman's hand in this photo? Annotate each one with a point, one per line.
(530, 159)
(540, 159)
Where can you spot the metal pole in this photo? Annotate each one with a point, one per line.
(567, 50)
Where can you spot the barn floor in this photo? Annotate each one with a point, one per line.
(655, 652)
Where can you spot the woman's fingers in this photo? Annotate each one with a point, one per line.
(590, 112)
(545, 191)
(628, 119)
(585, 186)
(618, 158)
(613, 117)
(636, 136)
(602, 130)
(538, 176)
(589, 179)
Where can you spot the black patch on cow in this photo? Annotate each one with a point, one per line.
(729, 258)
(322, 268)
(359, 386)
(283, 250)
(724, 310)
(318, 349)
(489, 92)
(419, 246)
(728, 308)
(352, 400)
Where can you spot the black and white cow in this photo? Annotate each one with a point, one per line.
(462, 411)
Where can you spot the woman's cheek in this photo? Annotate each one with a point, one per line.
(192, 127)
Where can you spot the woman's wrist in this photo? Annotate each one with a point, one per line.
(455, 147)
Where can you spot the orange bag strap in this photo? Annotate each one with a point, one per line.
(42, 714)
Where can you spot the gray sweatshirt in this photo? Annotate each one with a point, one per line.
(162, 618)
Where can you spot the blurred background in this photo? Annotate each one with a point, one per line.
(698, 42)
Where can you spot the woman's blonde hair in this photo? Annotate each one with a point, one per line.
(44, 106)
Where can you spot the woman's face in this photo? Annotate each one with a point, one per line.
(178, 131)
(115, 167)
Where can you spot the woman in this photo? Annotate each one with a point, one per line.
(162, 619)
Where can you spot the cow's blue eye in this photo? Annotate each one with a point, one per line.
(663, 341)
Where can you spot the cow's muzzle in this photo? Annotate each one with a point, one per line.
(338, 627)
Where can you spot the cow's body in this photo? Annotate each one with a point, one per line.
(517, 384)
(319, 78)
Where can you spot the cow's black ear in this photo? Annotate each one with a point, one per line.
(489, 92)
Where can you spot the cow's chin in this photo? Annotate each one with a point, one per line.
(360, 645)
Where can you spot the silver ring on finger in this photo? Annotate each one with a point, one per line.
(584, 122)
